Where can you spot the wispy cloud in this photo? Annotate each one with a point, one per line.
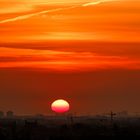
(23, 17)
(63, 60)
(29, 15)
(93, 3)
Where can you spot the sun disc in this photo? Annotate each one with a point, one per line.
(60, 106)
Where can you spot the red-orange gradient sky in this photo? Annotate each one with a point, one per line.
(85, 51)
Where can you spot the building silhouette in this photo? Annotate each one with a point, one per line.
(10, 114)
(1, 114)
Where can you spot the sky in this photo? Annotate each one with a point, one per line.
(84, 51)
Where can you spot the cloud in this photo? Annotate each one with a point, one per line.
(93, 3)
(97, 2)
(63, 60)
(48, 11)
(29, 16)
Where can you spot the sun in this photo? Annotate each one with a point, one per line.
(60, 106)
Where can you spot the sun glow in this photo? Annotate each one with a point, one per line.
(60, 106)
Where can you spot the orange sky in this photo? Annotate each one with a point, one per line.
(64, 38)
(52, 21)
(102, 21)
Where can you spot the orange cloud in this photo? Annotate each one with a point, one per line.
(63, 61)
(96, 21)
(46, 11)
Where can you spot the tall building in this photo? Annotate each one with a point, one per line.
(10, 114)
(1, 114)
(122, 114)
